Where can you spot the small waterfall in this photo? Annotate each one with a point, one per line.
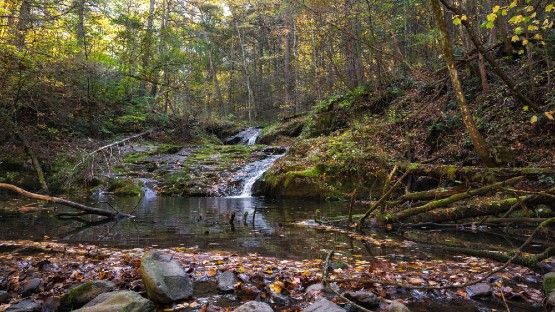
(254, 172)
(245, 137)
(254, 137)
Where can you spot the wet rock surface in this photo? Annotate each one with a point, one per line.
(164, 279)
(226, 282)
(479, 290)
(25, 306)
(323, 305)
(117, 301)
(30, 286)
(254, 306)
(397, 306)
(364, 298)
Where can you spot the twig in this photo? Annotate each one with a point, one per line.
(327, 286)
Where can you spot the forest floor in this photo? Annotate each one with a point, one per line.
(280, 282)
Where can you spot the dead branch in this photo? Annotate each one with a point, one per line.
(65, 202)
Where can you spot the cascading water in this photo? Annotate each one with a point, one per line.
(254, 171)
(254, 137)
(245, 137)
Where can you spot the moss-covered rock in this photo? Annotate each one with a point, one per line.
(549, 283)
(125, 187)
(80, 295)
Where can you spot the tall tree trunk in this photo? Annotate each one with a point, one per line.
(24, 18)
(147, 45)
(251, 103)
(477, 140)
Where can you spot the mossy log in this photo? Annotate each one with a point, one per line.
(440, 203)
(474, 174)
(488, 208)
(529, 261)
(85, 209)
(428, 195)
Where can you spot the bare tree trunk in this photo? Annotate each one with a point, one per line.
(251, 103)
(24, 18)
(477, 140)
(35, 161)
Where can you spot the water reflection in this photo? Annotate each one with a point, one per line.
(263, 226)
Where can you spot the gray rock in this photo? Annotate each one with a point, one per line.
(551, 299)
(164, 279)
(323, 305)
(314, 287)
(280, 300)
(226, 282)
(78, 296)
(397, 306)
(479, 290)
(549, 282)
(25, 306)
(117, 301)
(367, 299)
(31, 286)
(254, 306)
(4, 296)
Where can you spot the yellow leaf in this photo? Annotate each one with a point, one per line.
(534, 119)
(457, 21)
(525, 42)
(538, 37)
(549, 115)
(492, 17)
(532, 27)
(529, 8)
(277, 287)
(463, 17)
(549, 7)
(496, 8)
(515, 38)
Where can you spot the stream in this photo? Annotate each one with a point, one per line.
(282, 228)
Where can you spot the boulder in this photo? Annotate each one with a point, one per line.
(479, 290)
(117, 301)
(25, 306)
(323, 305)
(254, 306)
(549, 283)
(165, 280)
(4, 297)
(366, 299)
(397, 306)
(551, 299)
(226, 282)
(79, 295)
(30, 287)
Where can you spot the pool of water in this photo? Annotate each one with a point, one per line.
(263, 226)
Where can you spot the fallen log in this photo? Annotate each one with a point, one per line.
(474, 174)
(68, 203)
(452, 199)
(427, 195)
(475, 210)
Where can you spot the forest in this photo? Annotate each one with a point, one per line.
(287, 155)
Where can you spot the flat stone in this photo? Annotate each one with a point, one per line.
(479, 290)
(164, 279)
(280, 300)
(25, 306)
(4, 296)
(226, 282)
(367, 299)
(323, 305)
(30, 287)
(117, 301)
(315, 287)
(397, 306)
(254, 306)
(79, 295)
(549, 282)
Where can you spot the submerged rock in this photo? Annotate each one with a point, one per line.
(226, 282)
(323, 305)
(164, 279)
(254, 306)
(25, 306)
(551, 299)
(479, 290)
(117, 301)
(83, 293)
(364, 298)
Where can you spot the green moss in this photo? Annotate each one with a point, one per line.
(125, 187)
(167, 149)
(549, 283)
(135, 157)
